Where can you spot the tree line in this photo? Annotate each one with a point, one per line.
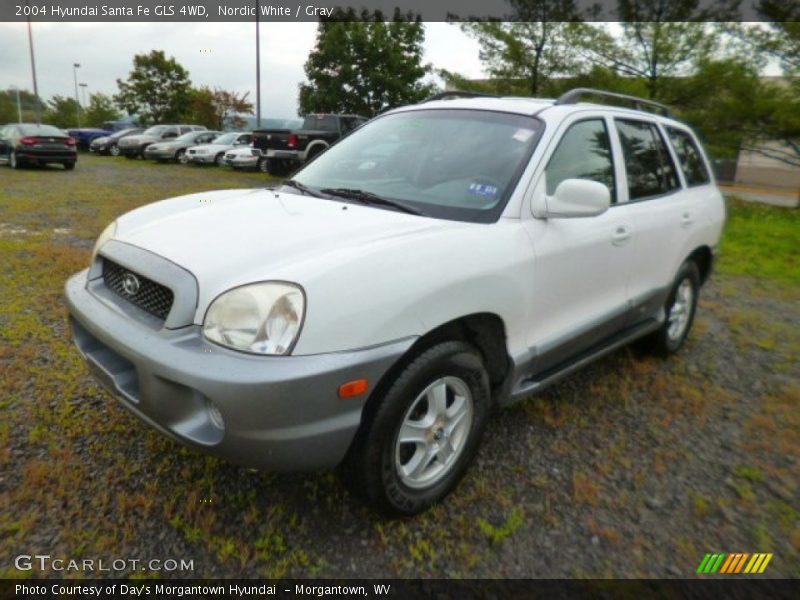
(158, 90)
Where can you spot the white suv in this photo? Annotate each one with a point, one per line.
(443, 258)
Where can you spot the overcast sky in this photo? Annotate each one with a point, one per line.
(216, 54)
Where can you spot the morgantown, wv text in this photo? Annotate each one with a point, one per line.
(160, 590)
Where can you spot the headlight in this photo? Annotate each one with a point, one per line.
(106, 235)
(263, 318)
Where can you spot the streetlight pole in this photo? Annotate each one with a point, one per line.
(33, 71)
(83, 90)
(19, 106)
(258, 68)
(75, 67)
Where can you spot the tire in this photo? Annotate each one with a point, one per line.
(219, 158)
(69, 165)
(314, 152)
(114, 150)
(405, 478)
(12, 160)
(181, 157)
(680, 309)
(262, 165)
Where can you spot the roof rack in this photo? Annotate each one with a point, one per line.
(574, 96)
(452, 94)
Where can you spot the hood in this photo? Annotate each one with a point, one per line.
(234, 237)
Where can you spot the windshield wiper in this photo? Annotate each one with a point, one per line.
(370, 198)
(303, 189)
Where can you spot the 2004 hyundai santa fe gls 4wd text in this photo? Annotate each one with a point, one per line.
(442, 259)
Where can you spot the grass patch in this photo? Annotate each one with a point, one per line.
(761, 241)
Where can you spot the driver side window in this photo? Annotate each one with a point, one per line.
(584, 152)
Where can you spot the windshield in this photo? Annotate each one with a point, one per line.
(226, 140)
(189, 137)
(452, 164)
(119, 134)
(157, 130)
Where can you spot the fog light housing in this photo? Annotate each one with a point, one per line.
(215, 415)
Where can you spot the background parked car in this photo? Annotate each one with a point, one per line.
(243, 158)
(86, 135)
(108, 144)
(29, 143)
(215, 153)
(134, 146)
(176, 149)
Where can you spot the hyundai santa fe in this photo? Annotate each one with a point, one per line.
(368, 313)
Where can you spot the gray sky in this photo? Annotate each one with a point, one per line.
(216, 54)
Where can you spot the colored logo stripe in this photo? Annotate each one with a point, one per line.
(734, 563)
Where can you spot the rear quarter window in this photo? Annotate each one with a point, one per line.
(689, 156)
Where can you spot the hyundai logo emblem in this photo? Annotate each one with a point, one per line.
(130, 284)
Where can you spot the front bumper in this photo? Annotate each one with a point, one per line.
(159, 154)
(131, 150)
(280, 413)
(203, 159)
(243, 162)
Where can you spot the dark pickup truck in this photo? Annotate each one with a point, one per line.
(282, 150)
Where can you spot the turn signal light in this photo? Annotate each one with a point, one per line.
(353, 388)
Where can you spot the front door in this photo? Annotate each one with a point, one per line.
(582, 265)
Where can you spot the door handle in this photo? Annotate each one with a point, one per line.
(686, 219)
(621, 235)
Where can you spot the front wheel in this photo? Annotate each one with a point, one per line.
(262, 165)
(219, 158)
(114, 150)
(414, 447)
(181, 157)
(680, 309)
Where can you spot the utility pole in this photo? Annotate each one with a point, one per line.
(19, 106)
(75, 67)
(33, 71)
(258, 67)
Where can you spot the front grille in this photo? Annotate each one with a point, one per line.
(148, 295)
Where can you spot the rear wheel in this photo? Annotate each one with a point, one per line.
(114, 150)
(12, 160)
(680, 310)
(262, 165)
(414, 447)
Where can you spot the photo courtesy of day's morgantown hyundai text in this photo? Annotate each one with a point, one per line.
(440, 260)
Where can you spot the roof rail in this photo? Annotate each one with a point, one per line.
(452, 94)
(573, 97)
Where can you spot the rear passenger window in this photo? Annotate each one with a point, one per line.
(692, 163)
(584, 152)
(649, 167)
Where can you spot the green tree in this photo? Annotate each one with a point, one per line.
(217, 108)
(61, 112)
(201, 109)
(523, 55)
(366, 66)
(8, 108)
(101, 109)
(661, 39)
(157, 89)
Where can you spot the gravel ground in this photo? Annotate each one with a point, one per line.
(635, 467)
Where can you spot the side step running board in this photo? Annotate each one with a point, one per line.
(538, 382)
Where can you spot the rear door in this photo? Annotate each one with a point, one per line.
(656, 204)
(581, 267)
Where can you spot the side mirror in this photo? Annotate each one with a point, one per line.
(576, 198)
